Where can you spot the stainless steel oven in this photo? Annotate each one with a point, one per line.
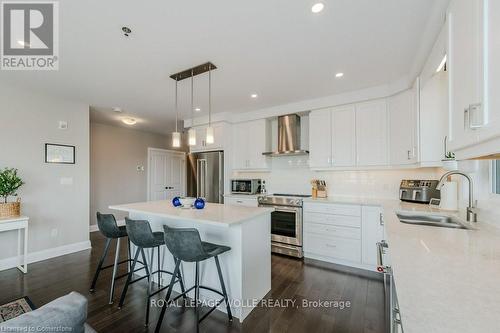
(286, 223)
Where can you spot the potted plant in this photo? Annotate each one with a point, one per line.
(10, 182)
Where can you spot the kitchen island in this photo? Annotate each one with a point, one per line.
(246, 268)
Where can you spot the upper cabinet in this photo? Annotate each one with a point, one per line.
(250, 140)
(402, 115)
(371, 133)
(465, 65)
(220, 130)
(332, 137)
(320, 139)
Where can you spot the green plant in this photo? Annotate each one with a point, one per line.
(10, 182)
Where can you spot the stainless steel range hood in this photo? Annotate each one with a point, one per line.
(288, 137)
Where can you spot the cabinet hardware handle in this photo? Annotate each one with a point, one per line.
(330, 245)
(466, 119)
(381, 219)
(239, 201)
(408, 154)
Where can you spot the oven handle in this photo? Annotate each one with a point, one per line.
(279, 208)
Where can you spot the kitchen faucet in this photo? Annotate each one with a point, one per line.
(471, 214)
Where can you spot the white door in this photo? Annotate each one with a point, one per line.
(371, 133)
(166, 174)
(465, 68)
(320, 139)
(343, 136)
(402, 125)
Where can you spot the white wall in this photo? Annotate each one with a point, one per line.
(116, 152)
(58, 213)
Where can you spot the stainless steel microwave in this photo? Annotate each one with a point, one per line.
(246, 186)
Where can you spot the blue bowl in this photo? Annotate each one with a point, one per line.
(176, 202)
(199, 203)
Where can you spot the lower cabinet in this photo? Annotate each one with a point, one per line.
(241, 201)
(343, 233)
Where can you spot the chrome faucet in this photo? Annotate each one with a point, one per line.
(471, 214)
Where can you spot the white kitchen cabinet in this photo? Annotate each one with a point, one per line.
(201, 138)
(320, 139)
(332, 137)
(250, 140)
(466, 71)
(371, 133)
(344, 136)
(372, 232)
(241, 201)
(343, 233)
(402, 119)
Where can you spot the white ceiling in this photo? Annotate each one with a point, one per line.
(277, 49)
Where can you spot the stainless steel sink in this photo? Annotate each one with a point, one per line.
(432, 220)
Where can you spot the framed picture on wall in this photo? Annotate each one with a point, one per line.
(59, 154)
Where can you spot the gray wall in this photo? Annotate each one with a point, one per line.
(58, 213)
(116, 152)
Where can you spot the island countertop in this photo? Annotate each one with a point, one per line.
(213, 214)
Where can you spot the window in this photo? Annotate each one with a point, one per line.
(495, 176)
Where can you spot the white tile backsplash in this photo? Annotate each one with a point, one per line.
(292, 175)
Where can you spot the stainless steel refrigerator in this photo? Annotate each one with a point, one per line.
(205, 176)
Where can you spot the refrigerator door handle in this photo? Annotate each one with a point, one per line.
(198, 177)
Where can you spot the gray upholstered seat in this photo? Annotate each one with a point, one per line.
(110, 229)
(185, 244)
(108, 226)
(141, 235)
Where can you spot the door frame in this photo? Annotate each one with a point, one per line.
(175, 152)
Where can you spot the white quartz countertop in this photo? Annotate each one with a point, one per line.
(213, 214)
(447, 280)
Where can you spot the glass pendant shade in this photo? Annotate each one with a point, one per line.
(210, 135)
(192, 137)
(176, 139)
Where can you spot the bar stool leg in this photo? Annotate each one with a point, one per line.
(197, 295)
(129, 255)
(223, 287)
(101, 262)
(145, 263)
(167, 297)
(129, 278)
(115, 268)
(159, 268)
(150, 286)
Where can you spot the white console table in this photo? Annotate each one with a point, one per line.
(18, 223)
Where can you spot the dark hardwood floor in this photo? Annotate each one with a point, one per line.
(291, 279)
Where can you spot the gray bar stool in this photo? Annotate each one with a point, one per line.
(185, 244)
(141, 235)
(109, 229)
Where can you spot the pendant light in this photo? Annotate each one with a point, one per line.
(192, 131)
(176, 136)
(210, 129)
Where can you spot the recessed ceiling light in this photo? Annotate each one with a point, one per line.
(317, 7)
(129, 121)
(197, 109)
(254, 95)
(338, 75)
(117, 109)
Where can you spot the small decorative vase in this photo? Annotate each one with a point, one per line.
(199, 203)
(176, 202)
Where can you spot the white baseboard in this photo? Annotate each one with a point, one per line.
(46, 254)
